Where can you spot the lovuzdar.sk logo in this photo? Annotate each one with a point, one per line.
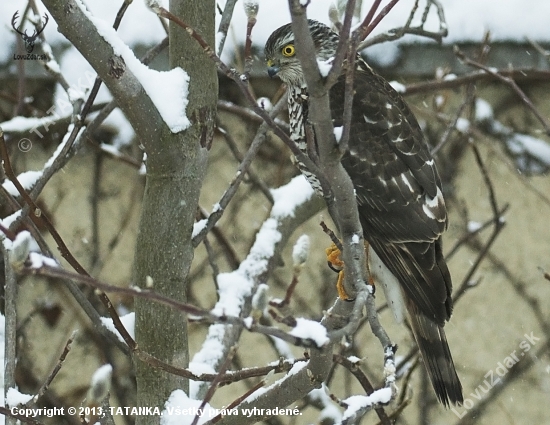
(29, 39)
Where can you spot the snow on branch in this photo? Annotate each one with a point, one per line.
(358, 405)
(168, 90)
(531, 154)
(237, 288)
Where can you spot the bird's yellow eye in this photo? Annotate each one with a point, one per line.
(289, 50)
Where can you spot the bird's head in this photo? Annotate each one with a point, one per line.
(280, 51)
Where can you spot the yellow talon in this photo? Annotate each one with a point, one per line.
(333, 258)
(340, 287)
(336, 264)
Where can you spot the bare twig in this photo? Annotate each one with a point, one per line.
(238, 400)
(256, 180)
(225, 22)
(331, 235)
(212, 389)
(55, 370)
(509, 82)
(498, 222)
(397, 33)
(476, 76)
(243, 168)
(469, 235)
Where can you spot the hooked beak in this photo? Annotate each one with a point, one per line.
(272, 69)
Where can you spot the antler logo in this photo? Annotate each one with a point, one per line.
(28, 39)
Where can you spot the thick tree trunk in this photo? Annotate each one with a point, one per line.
(174, 177)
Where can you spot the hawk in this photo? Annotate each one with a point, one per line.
(398, 192)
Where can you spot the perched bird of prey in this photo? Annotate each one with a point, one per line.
(398, 192)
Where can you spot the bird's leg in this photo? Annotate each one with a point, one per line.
(336, 264)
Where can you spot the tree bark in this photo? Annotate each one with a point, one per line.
(164, 250)
(176, 164)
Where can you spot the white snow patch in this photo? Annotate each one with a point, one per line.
(484, 110)
(248, 322)
(462, 125)
(179, 409)
(398, 87)
(449, 77)
(474, 226)
(325, 66)
(199, 226)
(282, 347)
(22, 238)
(25, 124)
(27, 180)
(38, 260)
(310, 329)
(297, 367)
(330, 410)
(200, 368)
(209, 354)
(338, 133)
(525, 144)
(8, 220)
(167, 90)
(102, 375)
(128, 320)
(265, 103)
(357, 402)
(15, 398)
(53, 66)
(288, 197)
(233, 287)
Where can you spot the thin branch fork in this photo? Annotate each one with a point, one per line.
(498, 222)
(509, 82)
(419, 30)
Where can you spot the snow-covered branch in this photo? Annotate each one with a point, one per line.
(294, 203)
(122, 73)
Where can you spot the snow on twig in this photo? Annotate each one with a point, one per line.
(236, 288)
